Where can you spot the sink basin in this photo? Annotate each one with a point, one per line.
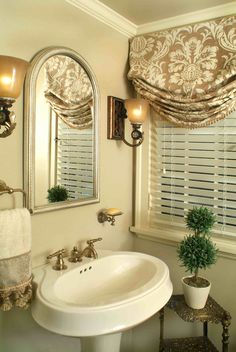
(102, 296)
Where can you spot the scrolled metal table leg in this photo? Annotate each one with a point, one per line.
(225, 335)
(161, 317)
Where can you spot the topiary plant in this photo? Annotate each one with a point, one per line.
(200, 220)
(57, 194)
(197, 251)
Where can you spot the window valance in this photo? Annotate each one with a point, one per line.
(188, 74)
(69, 91)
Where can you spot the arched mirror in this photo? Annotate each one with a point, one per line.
(60, 131)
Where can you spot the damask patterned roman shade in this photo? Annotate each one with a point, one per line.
(188, 74)
(69, 91)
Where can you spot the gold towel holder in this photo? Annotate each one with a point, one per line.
(6, 189)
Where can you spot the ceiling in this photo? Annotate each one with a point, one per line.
(145, 11)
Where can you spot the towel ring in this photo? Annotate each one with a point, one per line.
(6, 189)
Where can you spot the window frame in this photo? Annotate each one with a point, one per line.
(172, 234)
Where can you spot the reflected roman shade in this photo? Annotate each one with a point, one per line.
(188, 74)
(69, 91)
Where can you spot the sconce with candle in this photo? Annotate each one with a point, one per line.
(135, 110)
(109, 215)
(12, 74)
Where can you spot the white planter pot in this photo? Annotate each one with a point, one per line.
(195, 297)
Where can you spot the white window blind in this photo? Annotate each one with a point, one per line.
(193, 168)
(75, 160)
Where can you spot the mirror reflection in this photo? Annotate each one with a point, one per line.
(62, 123)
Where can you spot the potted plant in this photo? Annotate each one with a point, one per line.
(197, 251)
(57, 194)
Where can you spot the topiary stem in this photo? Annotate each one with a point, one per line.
(195, 276)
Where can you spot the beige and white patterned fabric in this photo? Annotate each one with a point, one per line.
(69, 91)
(188, 74)
(15, 259)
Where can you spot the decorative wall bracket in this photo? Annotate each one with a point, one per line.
(7, 117)
(116, 113)
(109, 215)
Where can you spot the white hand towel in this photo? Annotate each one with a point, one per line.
(15, 258)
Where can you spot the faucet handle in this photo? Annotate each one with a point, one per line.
(59, 265)
(57, 253)
(91, 242)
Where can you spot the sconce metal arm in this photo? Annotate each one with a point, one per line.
(136, 135)
(6, 117)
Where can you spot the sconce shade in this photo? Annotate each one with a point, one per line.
(137, 110)
(12, 74)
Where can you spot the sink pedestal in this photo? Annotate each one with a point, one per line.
(101, 343)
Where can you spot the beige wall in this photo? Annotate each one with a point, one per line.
(27, 26)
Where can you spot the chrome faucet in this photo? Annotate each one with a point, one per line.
(90, 251)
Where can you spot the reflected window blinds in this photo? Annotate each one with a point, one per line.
(75, 160)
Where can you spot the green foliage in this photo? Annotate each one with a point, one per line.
(200, 220)
(197, 251)
(57, 194)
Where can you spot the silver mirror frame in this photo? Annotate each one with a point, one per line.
(29, 129)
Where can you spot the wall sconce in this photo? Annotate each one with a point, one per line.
(109, 215)
(12, 74)
(118, 110)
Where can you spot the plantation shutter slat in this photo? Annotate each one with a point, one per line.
(230, 163)
(192, 183)
(196, 169)
(192, 168)
(196, 192)
(177, 200)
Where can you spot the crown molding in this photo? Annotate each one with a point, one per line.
(106, 15)
(191, 17)
(111, 18)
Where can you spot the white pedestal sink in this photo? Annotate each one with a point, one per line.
(101, 343)
(98, 299)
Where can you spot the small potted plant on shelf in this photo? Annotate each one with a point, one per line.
(57, 194)
(197, 251)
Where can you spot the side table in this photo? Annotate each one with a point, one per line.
(212, 312)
